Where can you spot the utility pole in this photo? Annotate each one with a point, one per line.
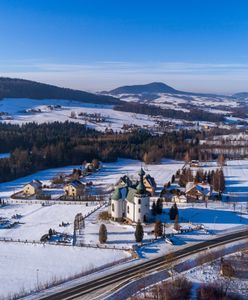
(37, 277)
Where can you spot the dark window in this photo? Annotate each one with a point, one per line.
(128, 209)
(113, 207)
(139, 201)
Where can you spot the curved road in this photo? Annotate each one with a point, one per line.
(125, 275)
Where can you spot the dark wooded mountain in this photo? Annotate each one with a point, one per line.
(21, 88)
(241, 96)
(154, 87)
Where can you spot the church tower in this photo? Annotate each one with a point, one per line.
(141, 201)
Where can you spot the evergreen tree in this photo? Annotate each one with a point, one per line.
(154, 208)
(173, 178)
(173, 211)
(139, 232)
(50, 232)
(221, 160)
(159, 206)
(176, 224)
(158, 229)
(103, 234)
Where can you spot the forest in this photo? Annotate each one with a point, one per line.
(35, 147)
(193, 115)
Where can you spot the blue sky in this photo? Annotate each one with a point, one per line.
(99, 44)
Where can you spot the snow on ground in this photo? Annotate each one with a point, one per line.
(106, 177)
(111, 172)
(114, 119)
(23, 265)
(210, 273)
(236, 177)
(36, 219)
(217, 219)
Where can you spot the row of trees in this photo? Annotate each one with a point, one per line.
(194, 114)
(35, 147)
(215, 178)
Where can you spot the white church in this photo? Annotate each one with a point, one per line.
(131, 203)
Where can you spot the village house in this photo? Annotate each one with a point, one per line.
(74, 189)
(179, 199)
(150, 184)
(198, 191)
(194, 164)
(32, 188)
(131, 203)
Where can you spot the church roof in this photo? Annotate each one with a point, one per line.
(130, 195)
(117, 194)
(141, 189)
(141, 172)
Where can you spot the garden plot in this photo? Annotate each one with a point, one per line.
(24, 266)
(36, 219)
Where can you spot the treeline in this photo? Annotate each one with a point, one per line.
(215, 178)
(193, 115)
(35, 147)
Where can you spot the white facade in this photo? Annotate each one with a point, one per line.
(130, 203)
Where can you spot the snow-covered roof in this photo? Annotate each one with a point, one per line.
(76, 184)
(35, 183)
(203, 188)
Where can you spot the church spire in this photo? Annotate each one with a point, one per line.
(141, 187)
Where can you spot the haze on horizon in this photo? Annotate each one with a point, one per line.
(98, 45)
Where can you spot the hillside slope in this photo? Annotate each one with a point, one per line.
(20, 88)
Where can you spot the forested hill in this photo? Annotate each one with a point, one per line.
(20, 88)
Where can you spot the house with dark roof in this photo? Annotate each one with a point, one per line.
(131, 203)
(150, 184)
(74, 188)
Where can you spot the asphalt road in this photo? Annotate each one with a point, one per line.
(123, 276)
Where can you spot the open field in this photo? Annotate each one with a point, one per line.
(24, 266)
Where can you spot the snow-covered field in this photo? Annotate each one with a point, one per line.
(236, 176)
(24, 266)
(16, 108)
(36, 219)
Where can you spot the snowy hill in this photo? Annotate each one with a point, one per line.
(165, 96)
